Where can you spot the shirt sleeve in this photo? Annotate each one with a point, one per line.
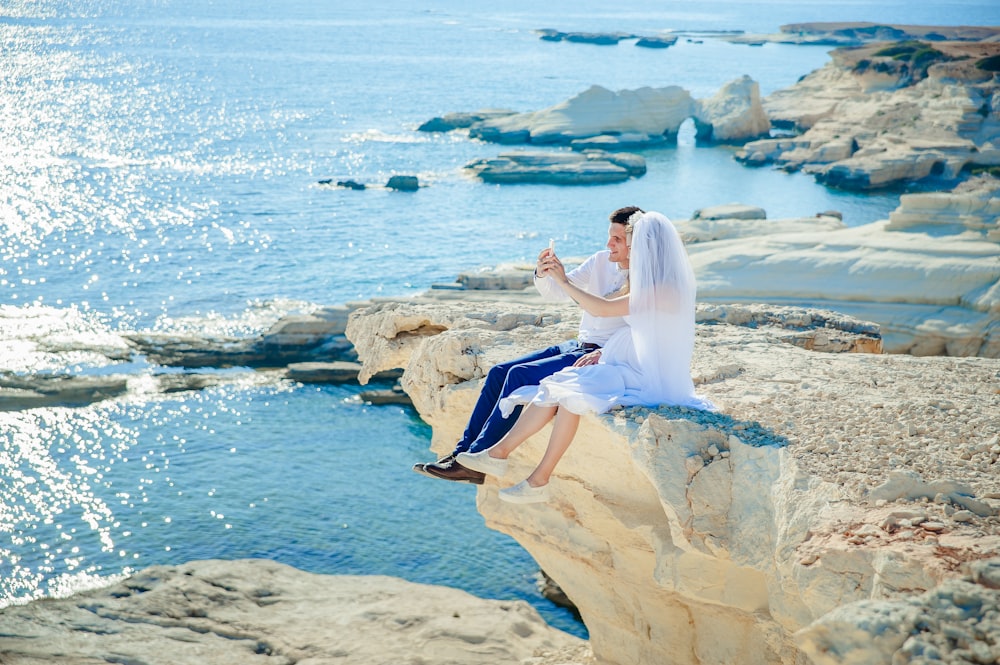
(550, 289)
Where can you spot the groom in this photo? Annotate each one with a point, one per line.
(601, 274)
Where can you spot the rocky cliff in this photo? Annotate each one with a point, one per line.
(826, 479)
(888, 114)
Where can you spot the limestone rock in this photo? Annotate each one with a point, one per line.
(37, 390)
(723, 228)
(596, 111)
(598, 38)
(317, 372)
(656, 42)
(958, 621)
(934, 286)
(861, 32)
(314, 337)
(735, 113)
(575, 168)
(513, 278)
(641, 118)
(620, 141)
(730, 211)
(869, 120)
(694, 537)
(974, 206)
(247, 611)
(403, 183)
(451, 121)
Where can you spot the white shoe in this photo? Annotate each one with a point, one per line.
(483, 463)
(525, 493)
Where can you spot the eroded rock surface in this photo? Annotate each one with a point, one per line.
(929, 276)
(694, 537)
(628, 119)
(258, 611)
(590, 167)
(885, 115)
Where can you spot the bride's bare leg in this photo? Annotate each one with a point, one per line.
(563, 430)
(532, 419)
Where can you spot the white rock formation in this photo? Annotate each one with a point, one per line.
(598, 117)
(595, 111)
(973, 206)
(868, 126)
(730, 211)
(558, 168)
(734, 113)
(722, 228)
(930, 277)
(250, 611)
(691, 537)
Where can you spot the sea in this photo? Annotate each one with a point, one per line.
(160, 171)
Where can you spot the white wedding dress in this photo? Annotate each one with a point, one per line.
(647, 362)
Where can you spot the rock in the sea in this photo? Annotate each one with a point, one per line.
(641, 118)
(598, 38)
(460, 120)
(394, 395)
(321, 372)
(851, 33)
(594, 112)
(35, 390)
(250, 611)
(589, 167)
(692, 537)
(733, 114)
(314, 337)
(403, 183)
(656, 42)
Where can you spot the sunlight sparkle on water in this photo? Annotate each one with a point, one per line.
(48, 462)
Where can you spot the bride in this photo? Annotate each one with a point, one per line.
(647, 362)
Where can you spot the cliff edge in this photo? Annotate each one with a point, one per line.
(832, 475)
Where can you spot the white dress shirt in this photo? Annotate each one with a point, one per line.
(599, 276)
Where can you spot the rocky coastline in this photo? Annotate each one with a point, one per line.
(928, 277)
(883, 115)
(843, 506)
(897, 105)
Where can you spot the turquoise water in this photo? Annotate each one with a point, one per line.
(159, 172)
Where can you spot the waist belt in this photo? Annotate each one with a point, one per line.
(588, 346)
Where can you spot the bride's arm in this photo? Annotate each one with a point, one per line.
(592, 304)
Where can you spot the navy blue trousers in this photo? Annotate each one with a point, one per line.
(487, 425)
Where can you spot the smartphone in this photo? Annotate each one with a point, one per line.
(552, 245)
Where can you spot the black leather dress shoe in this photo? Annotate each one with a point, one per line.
(454, 471)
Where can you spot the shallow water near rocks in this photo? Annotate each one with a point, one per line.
(160, 170)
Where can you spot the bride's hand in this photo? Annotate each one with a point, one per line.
(588, 359)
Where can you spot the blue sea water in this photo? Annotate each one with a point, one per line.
(159, 169)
